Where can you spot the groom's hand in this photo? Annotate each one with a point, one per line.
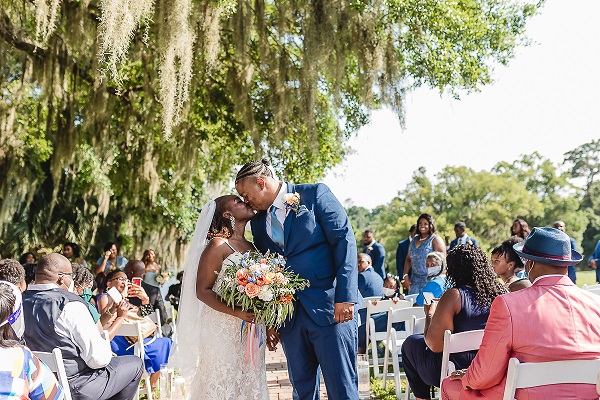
(343, 312)
(272, 339)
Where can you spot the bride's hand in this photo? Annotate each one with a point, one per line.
(244, 315)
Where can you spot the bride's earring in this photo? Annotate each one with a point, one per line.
(232, 219)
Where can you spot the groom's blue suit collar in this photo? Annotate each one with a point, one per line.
(287, 223)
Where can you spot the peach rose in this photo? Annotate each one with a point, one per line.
(269, 277)
(252, 290)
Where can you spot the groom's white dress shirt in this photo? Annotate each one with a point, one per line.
(281, 210)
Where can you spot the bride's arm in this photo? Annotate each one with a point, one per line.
(210, 264)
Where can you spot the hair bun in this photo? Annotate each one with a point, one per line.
(265, 162)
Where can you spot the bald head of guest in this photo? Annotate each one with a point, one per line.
(135, 269)
(54, 268)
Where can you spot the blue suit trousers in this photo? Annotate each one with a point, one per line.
(332, 350)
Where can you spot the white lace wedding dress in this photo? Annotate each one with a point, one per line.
(222, 370)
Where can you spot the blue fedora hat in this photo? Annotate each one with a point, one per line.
(548, 246)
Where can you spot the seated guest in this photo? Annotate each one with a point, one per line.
(505, 262)
(369, 282)
(56, 317)
(552, 320)
(27, 258)
(22, 374)
(436, 277)
(12, 271)
(84, 281)
(137, 269)
(391, 287)
(156, 350)
(463, 307)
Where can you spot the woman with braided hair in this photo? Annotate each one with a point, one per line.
(465, 306)
(210, 349)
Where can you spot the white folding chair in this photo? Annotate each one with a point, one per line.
(155, 317)
(526, 375)
(363, 306)
(371, 333)
(394, 341)
(595, 291)
(417, 325)
(171, 316)
(55, 362)
(411, 297)
(135, 329)
(588, 287)
(457, 343)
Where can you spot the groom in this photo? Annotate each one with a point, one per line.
(309, 226)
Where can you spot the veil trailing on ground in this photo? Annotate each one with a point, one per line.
(186, 349)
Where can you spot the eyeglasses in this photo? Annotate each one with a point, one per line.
(70, 274)
(120, 279)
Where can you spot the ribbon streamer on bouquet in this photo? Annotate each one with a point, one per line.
(254, 340)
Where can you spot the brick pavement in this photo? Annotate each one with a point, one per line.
(280, 387)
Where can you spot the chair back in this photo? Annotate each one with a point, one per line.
(55, 362)
(135, 329)
(526, 375)
(376, 307)
(595, 291)
(363, 306)
(588, 287)
(155, 317)
(417, 325)
(457, 343)
(411, 297)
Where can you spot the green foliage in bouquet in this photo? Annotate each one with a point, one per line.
(261, 284)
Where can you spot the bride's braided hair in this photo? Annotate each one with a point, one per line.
(254, 168)
(220, 226)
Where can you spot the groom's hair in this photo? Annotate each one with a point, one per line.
(254, 168)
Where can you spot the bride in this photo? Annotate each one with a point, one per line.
(209, 348)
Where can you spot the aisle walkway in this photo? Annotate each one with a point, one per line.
(277, 377)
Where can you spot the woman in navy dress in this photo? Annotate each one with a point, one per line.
(463, 307)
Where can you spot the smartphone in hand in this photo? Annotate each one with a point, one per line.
(136, 281)
(115, 295)
(428, 297)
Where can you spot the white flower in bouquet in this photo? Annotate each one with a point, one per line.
(241, 289)
(266, 293)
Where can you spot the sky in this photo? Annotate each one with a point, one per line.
(545, 100)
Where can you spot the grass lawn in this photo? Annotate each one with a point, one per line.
(587, 277)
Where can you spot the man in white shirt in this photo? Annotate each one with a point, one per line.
(55, 317)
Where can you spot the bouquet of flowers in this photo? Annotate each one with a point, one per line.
(163, 275)
(263, 285)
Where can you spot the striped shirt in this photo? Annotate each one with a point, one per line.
(24, 376)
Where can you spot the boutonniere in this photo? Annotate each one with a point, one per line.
(292, 201)
(370, 248)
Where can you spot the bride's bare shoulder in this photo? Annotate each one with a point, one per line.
(217, 248)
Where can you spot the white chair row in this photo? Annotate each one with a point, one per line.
(414, 321)
(595, 289)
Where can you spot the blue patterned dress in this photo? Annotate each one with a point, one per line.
(418, 259)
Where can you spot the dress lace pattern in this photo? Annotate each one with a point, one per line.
(222, 370)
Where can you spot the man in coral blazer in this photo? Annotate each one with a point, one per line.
(552, 320)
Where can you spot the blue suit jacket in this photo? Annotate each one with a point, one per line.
(455, 241)
(319, 246)
(401, 254)
(377, 255)
(369, 284)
